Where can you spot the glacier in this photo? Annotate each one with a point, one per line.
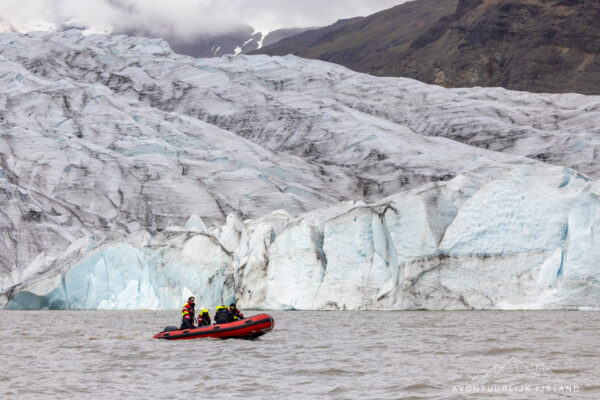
(526, 240)
(132, 177)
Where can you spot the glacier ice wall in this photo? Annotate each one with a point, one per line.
(470, 243)
(526, 240)
(143, 272)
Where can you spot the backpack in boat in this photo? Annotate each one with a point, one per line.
(170, 328)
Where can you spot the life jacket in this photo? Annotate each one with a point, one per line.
(187, 307)
(223, 315)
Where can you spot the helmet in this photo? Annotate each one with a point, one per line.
(204, 311)
(232, 305)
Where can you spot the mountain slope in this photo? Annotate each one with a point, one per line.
(365, 44)
(540, 46)
(279, 34)
(550, 46)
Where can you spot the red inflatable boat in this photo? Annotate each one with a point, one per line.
(248, 328)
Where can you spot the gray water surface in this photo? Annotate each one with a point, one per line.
(309, 355)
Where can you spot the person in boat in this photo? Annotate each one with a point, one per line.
(186, 320)
(223, 315)
(235, 313)
(187, 313)
(203, 318)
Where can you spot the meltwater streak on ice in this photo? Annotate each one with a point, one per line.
(339, 355)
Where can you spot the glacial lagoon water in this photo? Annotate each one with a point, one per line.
(309, 355)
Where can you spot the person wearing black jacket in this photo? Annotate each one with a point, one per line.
(235, 313)
(223, 315)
